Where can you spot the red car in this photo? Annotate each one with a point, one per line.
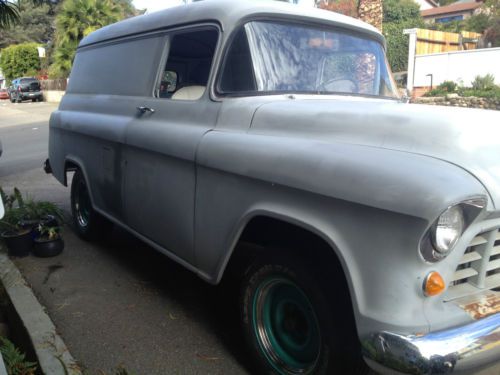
(4, 94)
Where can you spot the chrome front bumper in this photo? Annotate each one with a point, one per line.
(460, 350)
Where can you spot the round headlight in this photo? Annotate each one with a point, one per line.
(448, 230)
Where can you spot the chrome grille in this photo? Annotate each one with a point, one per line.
(479, 266)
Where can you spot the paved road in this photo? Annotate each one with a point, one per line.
(24, 135)
(119, 303)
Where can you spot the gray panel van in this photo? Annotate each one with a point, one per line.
(267, 143)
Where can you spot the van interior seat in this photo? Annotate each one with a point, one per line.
(189, 93)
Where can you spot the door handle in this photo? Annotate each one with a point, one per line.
(145, 109)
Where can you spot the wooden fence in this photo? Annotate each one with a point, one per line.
(432, 41)
(54, 84)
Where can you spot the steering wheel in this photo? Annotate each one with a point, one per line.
(342, 84)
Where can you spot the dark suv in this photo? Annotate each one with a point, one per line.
(24, 89)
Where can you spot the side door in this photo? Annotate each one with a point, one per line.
(107, 80)
(161, 142)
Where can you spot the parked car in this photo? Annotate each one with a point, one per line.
(24, 89)
(4, 94)
(267, 142)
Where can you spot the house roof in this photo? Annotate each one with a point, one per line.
(452, 8)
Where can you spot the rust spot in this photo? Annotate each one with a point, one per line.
(480, 305)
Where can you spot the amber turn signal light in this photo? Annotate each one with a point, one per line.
(434, 284)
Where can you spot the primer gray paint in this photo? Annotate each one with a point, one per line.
(369, 176)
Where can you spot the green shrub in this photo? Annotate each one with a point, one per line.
(400, 10)
(20, 60)
(15, 361)
(482, 83)
(491, 93)
(448, 86)
(19, 209)
(436, 92)
(397, 42)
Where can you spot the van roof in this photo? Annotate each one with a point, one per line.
(227, 13)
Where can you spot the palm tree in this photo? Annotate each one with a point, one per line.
(75, 20)
(9, 11)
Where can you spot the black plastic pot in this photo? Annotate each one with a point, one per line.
(45, 248)
(49, 221)
(18, 244)
(31, 225)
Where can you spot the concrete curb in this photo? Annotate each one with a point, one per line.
(53, 355)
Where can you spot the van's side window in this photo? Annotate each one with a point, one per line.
(185, 76)
(238, 75)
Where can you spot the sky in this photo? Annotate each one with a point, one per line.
(154, 5)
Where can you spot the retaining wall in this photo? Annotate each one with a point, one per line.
(453, 100)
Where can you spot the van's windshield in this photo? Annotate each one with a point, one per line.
(272, 57)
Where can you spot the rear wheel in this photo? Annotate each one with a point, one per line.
(290, 324)
(88, 223)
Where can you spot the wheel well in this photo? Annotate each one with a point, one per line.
(264, 234)
(69, 166)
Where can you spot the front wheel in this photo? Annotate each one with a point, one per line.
(289, 323)
(88, 223)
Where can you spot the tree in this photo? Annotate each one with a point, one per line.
(9, 11)
(36, 24)
(398, 16)
(492, 32)
(20, 60)
(400, 10)
(346, 7)
(75, 20)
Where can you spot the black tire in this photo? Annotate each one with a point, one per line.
(33, 100)
(88, 224)
(291, 324)
(11, 99)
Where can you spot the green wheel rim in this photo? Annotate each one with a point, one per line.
(286, 327)
(82, 204)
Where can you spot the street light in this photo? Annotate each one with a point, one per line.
(429, 75)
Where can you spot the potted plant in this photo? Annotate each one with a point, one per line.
(22, 220)
(42, 213)
(17, 237)
(48, 242)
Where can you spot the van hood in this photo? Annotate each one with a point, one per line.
(468, 138)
